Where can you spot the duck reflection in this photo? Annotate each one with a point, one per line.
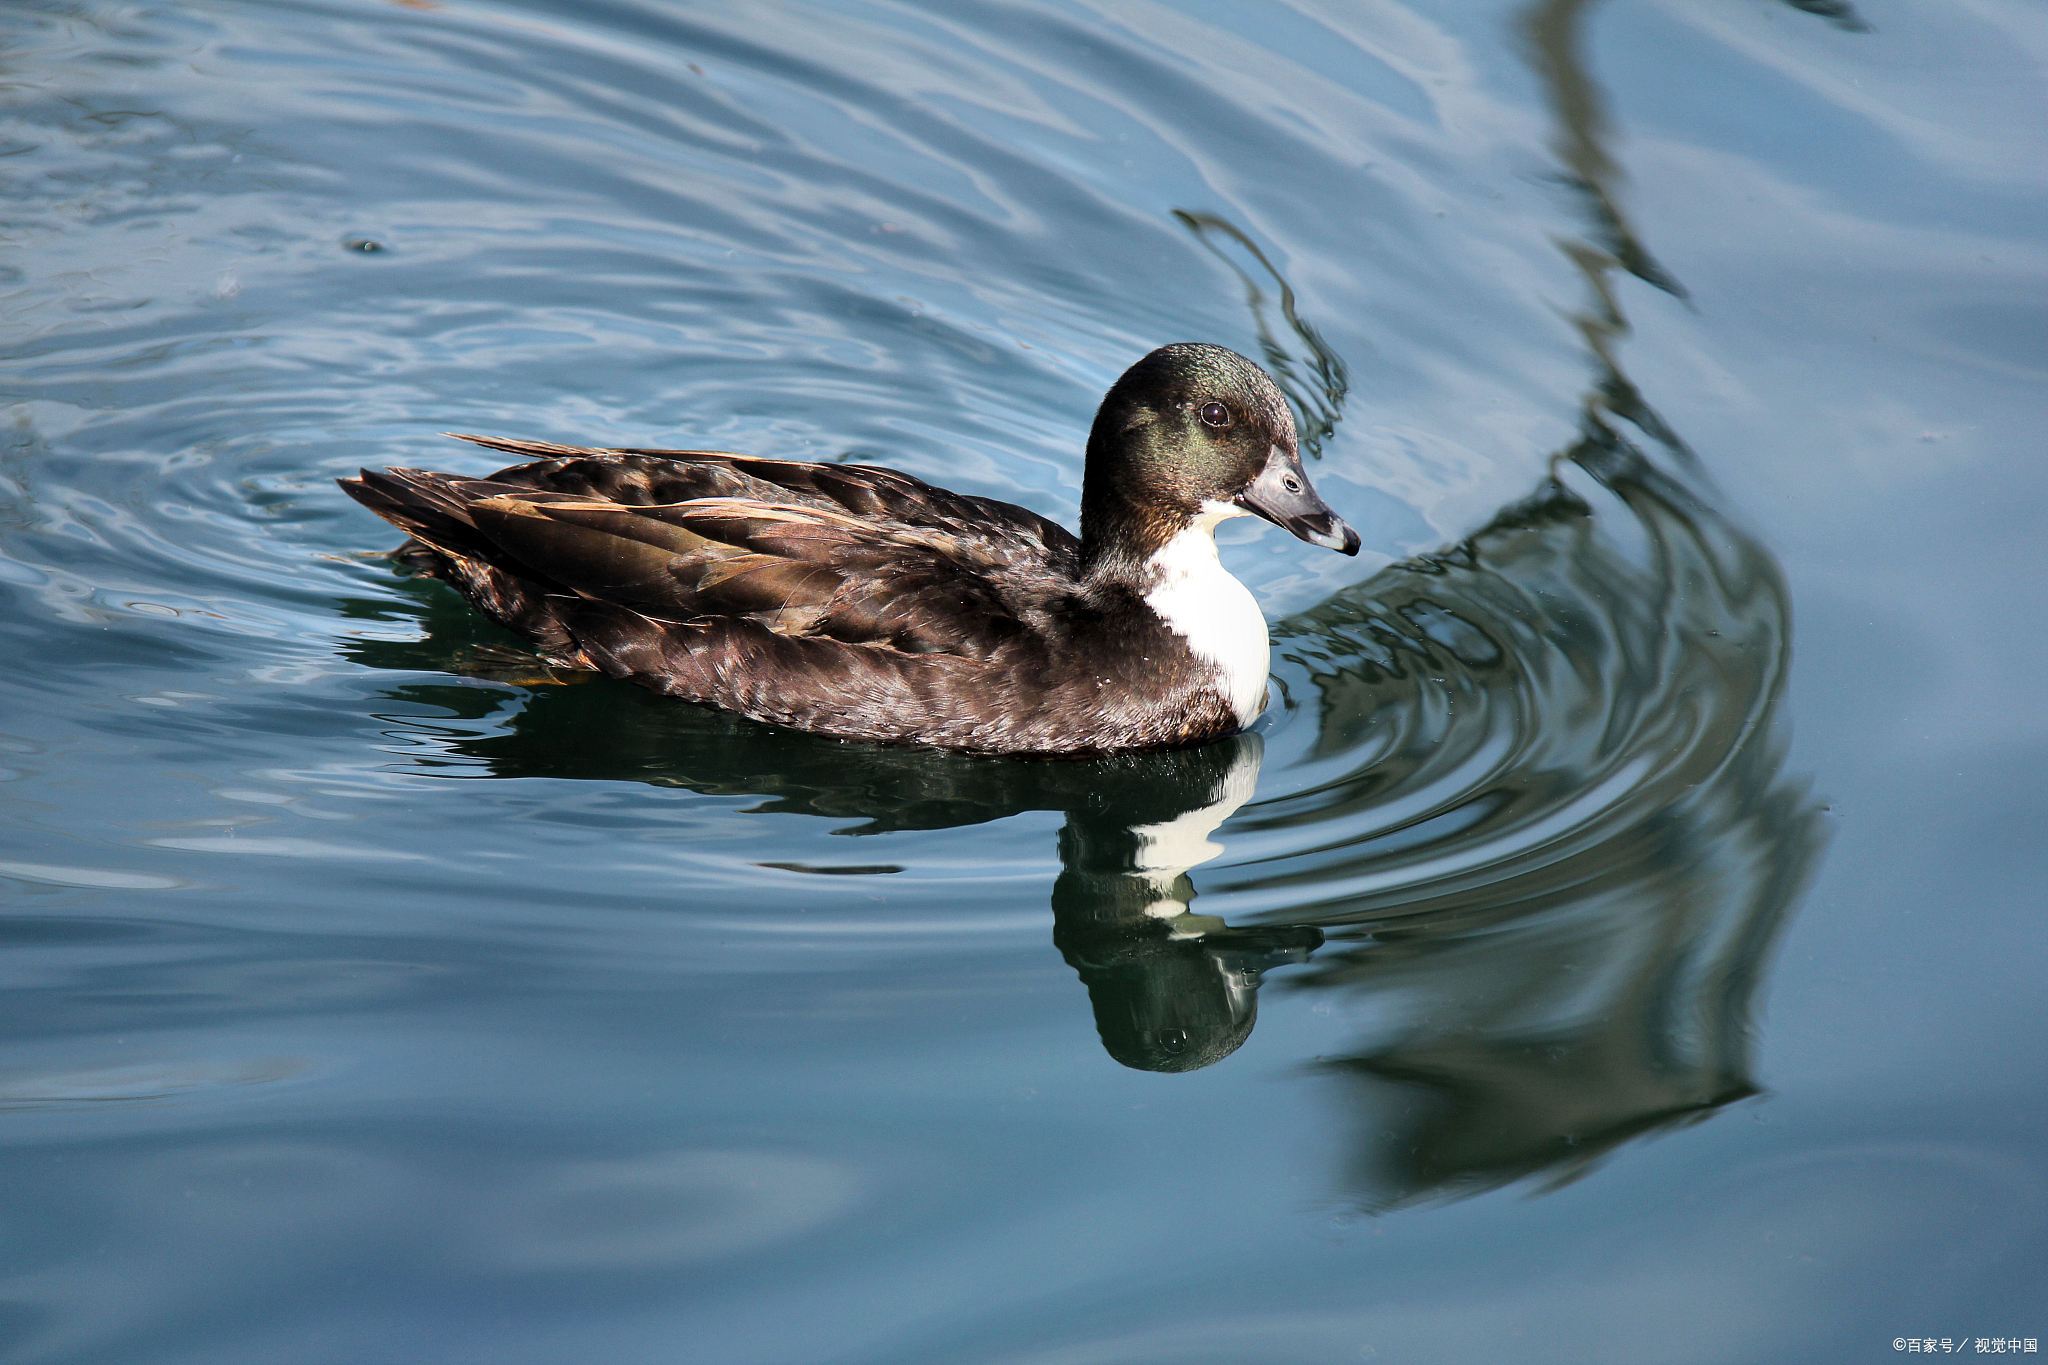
(1171, 990)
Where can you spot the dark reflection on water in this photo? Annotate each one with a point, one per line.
(1576, 845)
(1312, 375)
(1840, 13)
(1172, 990)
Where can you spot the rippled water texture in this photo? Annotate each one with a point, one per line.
(1620, 941)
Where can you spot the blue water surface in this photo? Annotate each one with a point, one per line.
(1621, 940)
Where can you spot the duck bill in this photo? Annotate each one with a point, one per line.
(1283, 495)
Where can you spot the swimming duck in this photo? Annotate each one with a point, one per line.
(859, 602)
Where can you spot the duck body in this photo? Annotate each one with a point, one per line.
(862, 603)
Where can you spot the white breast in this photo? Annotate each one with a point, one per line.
(1217, 615)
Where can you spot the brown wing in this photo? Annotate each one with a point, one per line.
(643, 477)
(845, 553)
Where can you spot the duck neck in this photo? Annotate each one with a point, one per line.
(1121, 550)
(1121, 532)
(1124, 546)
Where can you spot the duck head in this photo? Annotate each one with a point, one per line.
(1196, 433)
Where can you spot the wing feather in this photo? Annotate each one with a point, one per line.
(851, 554)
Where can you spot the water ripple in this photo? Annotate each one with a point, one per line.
(1512, 848)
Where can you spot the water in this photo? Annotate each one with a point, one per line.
(1620, 941)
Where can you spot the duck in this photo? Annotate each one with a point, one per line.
(860, 603)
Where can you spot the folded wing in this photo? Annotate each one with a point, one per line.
(846, 553)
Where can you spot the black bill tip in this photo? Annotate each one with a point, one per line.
(1283, 496)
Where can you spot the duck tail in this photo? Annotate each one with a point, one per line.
(429, 507)
(433, 509)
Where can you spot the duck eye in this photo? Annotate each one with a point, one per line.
(1215, 415)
